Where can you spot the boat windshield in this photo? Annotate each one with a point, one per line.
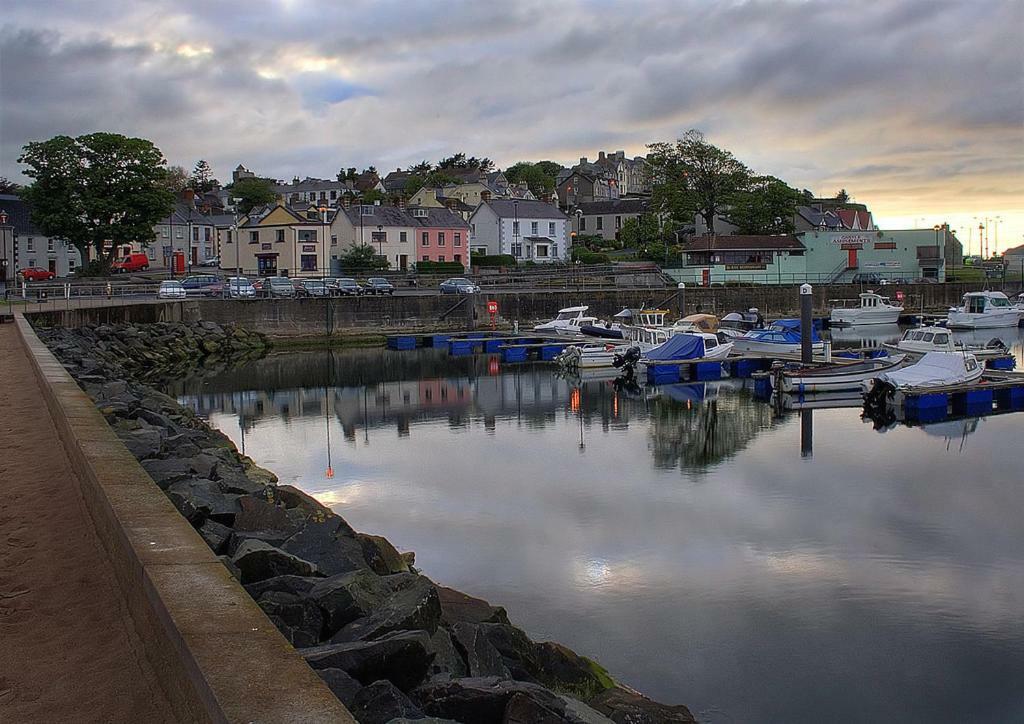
(999, 302)
(562, 316)
(942, 338)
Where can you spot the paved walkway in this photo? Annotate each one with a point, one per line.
(69, 648)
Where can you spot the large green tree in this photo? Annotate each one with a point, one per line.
(176, 180)
(538, 176)
(363, 258)
(766, 206)
(695, 177)
(8, 187)
(97, 189)
(640, 231)
(252, 192)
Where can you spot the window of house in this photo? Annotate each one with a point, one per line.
(165, 232)
(554, 250)
(30, 244)
(458, 240)
(206, 234)
(426, 241)
(517, 250)
(254, 237)
(334, 195)
(542, 251)
(618, 223)
(179, 235)
(440, 238)
(426, 258)
(229, 235)
(280, 235)
(31, 262)
(515, 228)
(440, 257)
(306, 236)
(71, 264)
(458, 258)
(583, 223)
(533, 227)
(49, 244)
(551, 228)
(334, 239)
(600, 223)
(308, 262)
(195, 233)
(151, 253)
(472, 228)
(403, 237)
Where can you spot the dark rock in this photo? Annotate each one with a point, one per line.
(155, 418)
(562, 669)
(628, 707)
(298, 618)
(481, 658)
(521, 709)
(414, 605)
(297, 585)
(292, 497)
(206, 498)
(326, 544)
(165, 472)
(400, 657)
(381, 555)
(232, 568)
(479, 700)
(382, 701)
(142, 443)
(258, 561)
(516, 649)
(457, 606)
(349, 596)
(270, 537)
(232, 479)
(448, 661)
(341, 684)
(203, 465)
(259, 515)
(215, 534)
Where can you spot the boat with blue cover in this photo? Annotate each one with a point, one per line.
(780, 337)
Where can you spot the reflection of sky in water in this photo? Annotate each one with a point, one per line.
(687, 546)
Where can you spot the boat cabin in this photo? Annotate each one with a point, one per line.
(982, 302)
(570, 313)
(927, 339)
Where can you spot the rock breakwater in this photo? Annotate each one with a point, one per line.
(393, 645)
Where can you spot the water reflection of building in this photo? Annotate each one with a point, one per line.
(687, 429)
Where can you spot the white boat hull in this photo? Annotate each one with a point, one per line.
(860, 317)
(838, 379)
(1009, 317)
(742, 345)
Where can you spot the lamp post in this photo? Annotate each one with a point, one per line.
(515, 227)
(238, 244)
(188, 258)
(323, 224)
(380, 239)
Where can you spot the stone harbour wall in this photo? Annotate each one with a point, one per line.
(390, 643)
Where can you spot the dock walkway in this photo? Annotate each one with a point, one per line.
(71, 650)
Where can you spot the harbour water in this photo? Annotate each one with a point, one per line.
(704, 548)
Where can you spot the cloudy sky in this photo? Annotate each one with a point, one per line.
(916, 107)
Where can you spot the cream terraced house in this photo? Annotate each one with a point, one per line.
(276, 240)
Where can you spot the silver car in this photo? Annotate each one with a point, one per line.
(240, 288)
(171, 290)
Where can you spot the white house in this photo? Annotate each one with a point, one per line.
(528, 230)
(26, 246)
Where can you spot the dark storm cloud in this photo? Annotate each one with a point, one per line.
(815, 92)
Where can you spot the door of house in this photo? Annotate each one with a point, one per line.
(53, 266)
(195, 256)
(851, 260)
(266, 266)
(403, 262)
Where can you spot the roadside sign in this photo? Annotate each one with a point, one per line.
(492, 308)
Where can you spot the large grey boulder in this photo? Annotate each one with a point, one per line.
(327, 544)
(298, 618)
(258, 561)
(347, 597)
(381, 702)
(481, 658)
(203, 498)
(400, 657)
(341, 684)
(412, 605)
(457, 606)
(483, 700)
(448, 661)
(624, 706)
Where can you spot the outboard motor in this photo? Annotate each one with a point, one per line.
(629, 358)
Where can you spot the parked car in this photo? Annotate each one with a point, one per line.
(171, 290)
(203, 285)
(212, 261)
(311, 288)
(346, 287)
(36, 274)
(240, 288)
(869, 278)
(278, 287)
(458, 285)
(379, 285)
(130, 263)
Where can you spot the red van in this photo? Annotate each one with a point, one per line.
(131, 263)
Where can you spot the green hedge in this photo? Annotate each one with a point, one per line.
(589, 257)
(493, 260)
(440, 267)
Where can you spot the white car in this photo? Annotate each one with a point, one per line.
(240, 288)
(171, 290)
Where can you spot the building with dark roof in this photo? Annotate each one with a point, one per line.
(24, 245)
(606, 218)
(405, 235)
(528, 230)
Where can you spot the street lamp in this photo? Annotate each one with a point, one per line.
(380, 239)
(323, 223)
(238, 244)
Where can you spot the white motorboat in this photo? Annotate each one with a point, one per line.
(781, 337)
(984, 310)
(935, 369)
(872, 308)
(568, 322)
(835, 378)
(939, 339)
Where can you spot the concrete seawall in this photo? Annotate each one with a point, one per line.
(220, 657)
(318, 317)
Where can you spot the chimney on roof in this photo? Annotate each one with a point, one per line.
(188, 196)
(620, 155)
(600, 155)
(583, 160)
(450, 203)
(346, 201)
(485, 195)
(401, 202)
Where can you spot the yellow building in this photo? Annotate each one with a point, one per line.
(275, 240)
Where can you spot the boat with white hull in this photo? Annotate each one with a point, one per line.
(939, 339)
(935, 369)
(568, 322)
(984, 310)
(836, 378)
(872, 309)
(781, 337)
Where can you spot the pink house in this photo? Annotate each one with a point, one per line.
(440, 235)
